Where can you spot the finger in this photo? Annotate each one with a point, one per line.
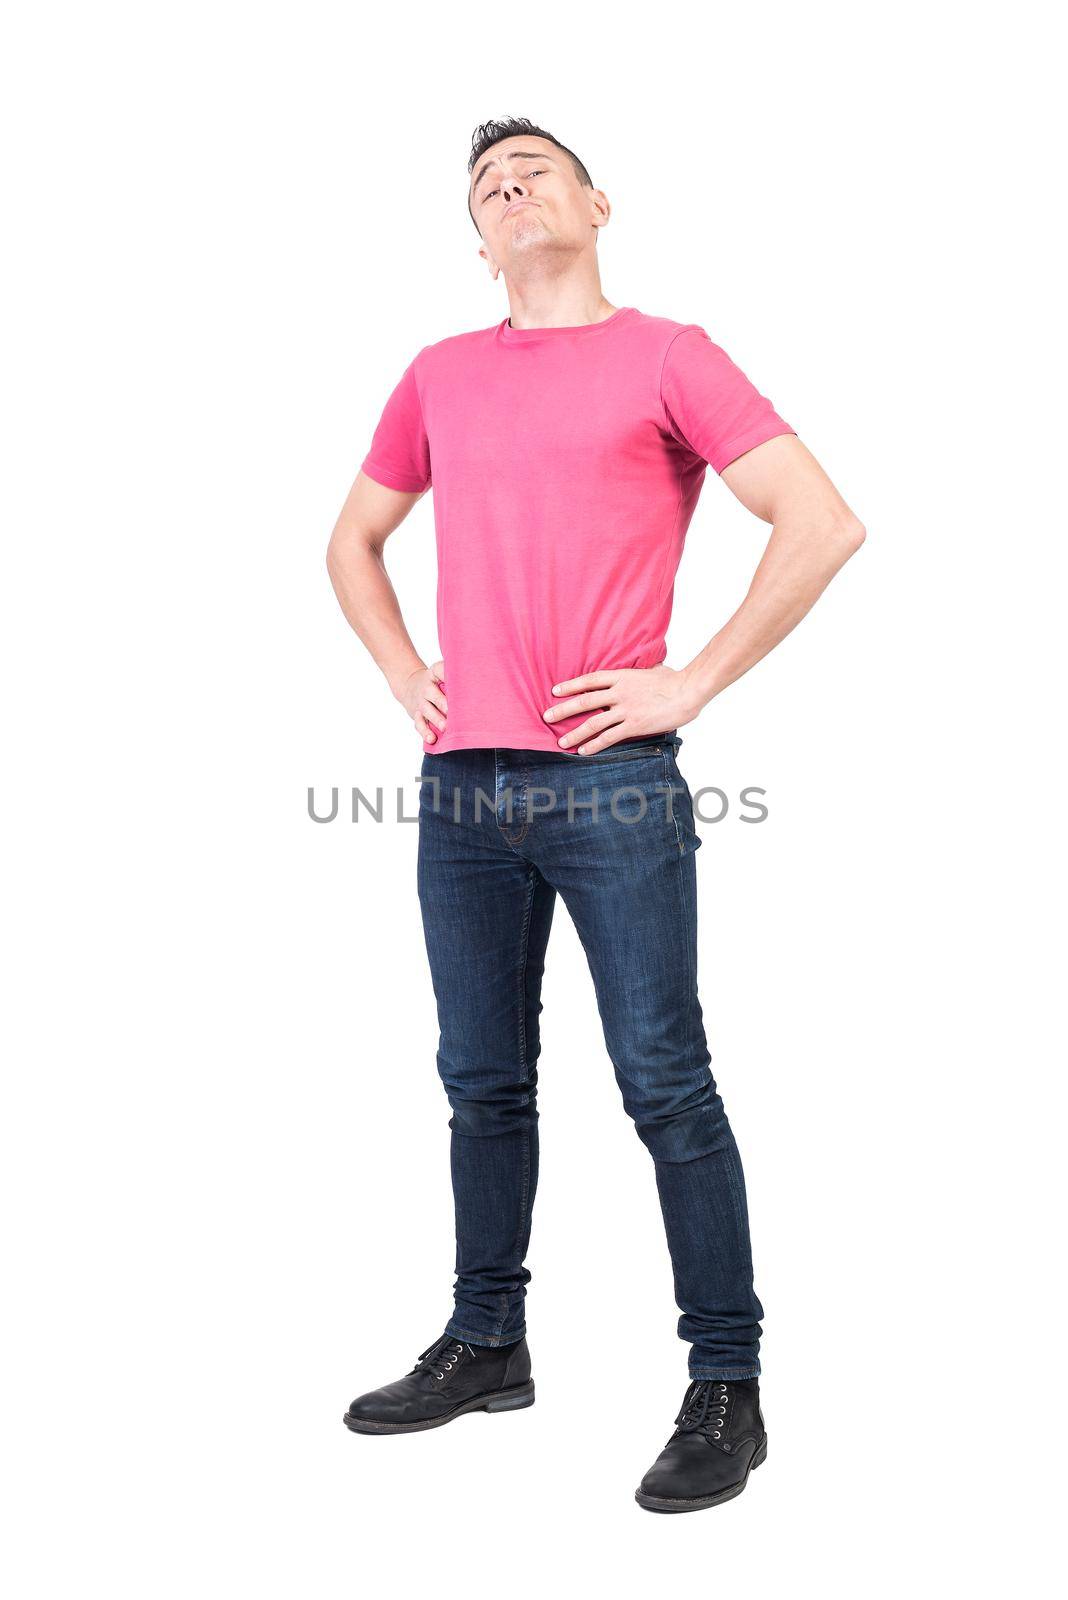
(591, 680)
(432, 714)
(588, 730)
(427, 735)
(436, 698)
(595, 700)
(604, 741)
(437, 671)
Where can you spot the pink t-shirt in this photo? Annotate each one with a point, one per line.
(566, 464)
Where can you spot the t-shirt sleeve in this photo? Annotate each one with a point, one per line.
(399, 456)
(709, 403)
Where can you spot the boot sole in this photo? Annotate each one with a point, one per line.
(653, 1502)
(514, 1399)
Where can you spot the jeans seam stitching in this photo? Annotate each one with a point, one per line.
(524, 945)
(671, 802)
(524, 941)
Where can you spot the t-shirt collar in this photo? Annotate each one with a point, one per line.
(510, 335)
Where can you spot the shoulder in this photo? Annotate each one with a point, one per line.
(676, 348)
(454, 348)
(662, 332)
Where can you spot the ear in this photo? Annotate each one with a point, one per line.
(494, 269)
(600, 209)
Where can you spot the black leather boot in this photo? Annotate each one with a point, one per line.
(449, 1378)
(719, 1438)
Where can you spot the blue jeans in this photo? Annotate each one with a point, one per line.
(502, 833)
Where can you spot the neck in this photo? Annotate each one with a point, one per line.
(562, 301)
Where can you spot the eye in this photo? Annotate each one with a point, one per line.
(488, 195)
(537, 173)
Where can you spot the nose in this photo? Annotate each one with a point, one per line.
(514, 189)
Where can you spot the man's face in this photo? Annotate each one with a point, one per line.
(526, 196)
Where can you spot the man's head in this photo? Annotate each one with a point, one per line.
(529, 193)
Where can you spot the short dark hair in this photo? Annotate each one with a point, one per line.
(488, 133)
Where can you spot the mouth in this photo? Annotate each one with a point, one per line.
(515, 205)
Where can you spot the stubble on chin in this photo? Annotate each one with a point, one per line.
(527, 229)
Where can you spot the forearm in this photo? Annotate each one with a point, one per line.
(369, 602)
(800, 560)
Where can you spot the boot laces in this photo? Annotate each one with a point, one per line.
(444, 1353)
(703, 1408)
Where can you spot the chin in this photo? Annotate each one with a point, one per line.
(529, 230)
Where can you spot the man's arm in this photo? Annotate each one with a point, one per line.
(813, 534)
(354, 560)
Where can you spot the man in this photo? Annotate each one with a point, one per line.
(567, 447)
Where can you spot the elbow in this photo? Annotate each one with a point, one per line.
(331, 561)
(349, 546)
(851, 535)
(335, 557)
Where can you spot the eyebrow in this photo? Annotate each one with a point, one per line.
(513, 155)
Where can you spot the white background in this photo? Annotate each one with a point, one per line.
(225, 1148)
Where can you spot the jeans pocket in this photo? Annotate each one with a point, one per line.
(620, 752)
(664, 742)
(682, 806)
